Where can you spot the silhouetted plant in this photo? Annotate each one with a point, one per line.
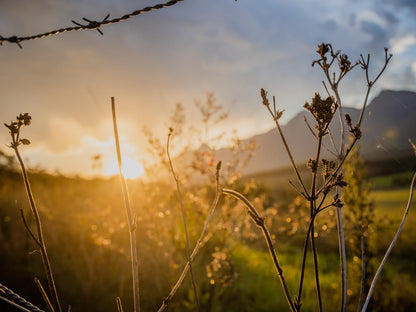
(14, 130)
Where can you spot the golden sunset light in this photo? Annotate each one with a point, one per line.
(267, 164)
(131, 168)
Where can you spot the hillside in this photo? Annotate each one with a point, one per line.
(389, 122)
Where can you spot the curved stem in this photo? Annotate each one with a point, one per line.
(40, 239)
(260, 222)
(393, 242)
(198, 245)
(188, 248)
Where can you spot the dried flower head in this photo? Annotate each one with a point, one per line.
(14, 129)
(339, 180)
(323, 49)
(328, 167)
(337, 202)
(356, 132)
(263, 94)
(348, 120)
(312, 165)
(322, 111)
(344, 63)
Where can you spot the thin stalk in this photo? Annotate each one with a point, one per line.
(188, 248)
(343, 258)
(289, 153)
(40, 240)
(302, 271)
(260, 222)
(313, 211)
(198, 245)
(340, 224)
(131, 219)
(363, 269)
(316, 267)
(44, 295)
(393, 242)
(119, 305)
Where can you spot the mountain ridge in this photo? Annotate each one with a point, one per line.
(388, 123)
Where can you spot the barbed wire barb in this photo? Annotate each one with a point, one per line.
(92, 25)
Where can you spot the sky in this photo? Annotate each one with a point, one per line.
(176, 55)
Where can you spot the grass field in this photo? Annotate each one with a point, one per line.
(87, 238)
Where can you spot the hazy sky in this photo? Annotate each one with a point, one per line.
(155, 60)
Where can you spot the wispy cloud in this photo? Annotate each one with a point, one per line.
(402, 44)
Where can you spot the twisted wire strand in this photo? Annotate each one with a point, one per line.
(91, 25)
(16, 298)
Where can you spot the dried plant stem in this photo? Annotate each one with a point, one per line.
(312, 202)
(302, 271)
(130, 216)
(316, 267)
(393, 242)
(343, 258)
(188, 248)
(260, 223)
(340, 223)
(198, 245)
(289, 153)
(119, 305)
(363, 270)
(40, 240)
(44, 295)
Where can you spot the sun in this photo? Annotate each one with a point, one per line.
(131, 168)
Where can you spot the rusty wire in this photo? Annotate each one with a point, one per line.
(91, 24)
(19, 300)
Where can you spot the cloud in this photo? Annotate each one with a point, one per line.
(155, 60)
(377, 34)
(402, 44)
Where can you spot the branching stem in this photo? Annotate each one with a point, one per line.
(188, 248)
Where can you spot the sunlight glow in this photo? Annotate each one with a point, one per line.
(131, 168)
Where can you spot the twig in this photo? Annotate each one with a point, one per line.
(44, 295)
(119, 305)
(130, 216)
(314, 134)
(393, 242)
(91, 24)
(40, 241)
(363, 272)
(302, 271)
(198, 245)
(276, 115)
(22, 214)
(188, 248)
(260, 223)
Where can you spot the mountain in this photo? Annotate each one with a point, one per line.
(388, 123)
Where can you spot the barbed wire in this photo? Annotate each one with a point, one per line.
(91, 24)
(18, 299)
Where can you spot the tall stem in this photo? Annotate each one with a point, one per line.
(130, 217)
(393, 242)
(312, 202)
(43, 252)
(188, 248)
(198, 245)
(260, 223)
